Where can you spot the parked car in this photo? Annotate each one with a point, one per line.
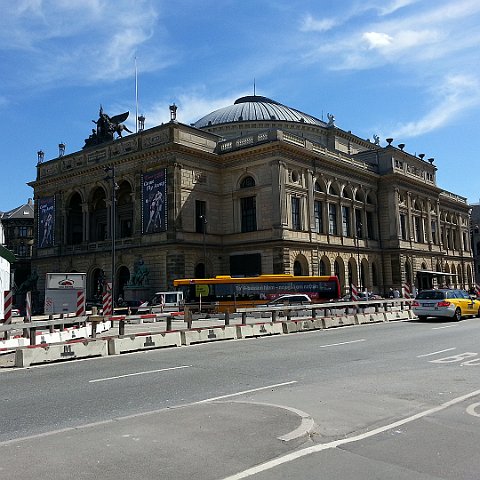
(445, 303)
(290, 299)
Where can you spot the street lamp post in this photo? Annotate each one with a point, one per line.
(112, 224)
(359, 232)
(204, 223)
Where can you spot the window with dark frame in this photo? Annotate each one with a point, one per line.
(200, 212)
(296, 224)
(249, 214)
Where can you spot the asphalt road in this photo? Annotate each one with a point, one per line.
(397, 400)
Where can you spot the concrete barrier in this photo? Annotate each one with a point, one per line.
(293, 326)
(362, 318)
(143, 341)
(208, 334)
(396, 316)
(259, 329)
(338, 321)
(26, 356)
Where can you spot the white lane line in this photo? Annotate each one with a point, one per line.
(341, 343)
(138, 373)
(435, 353)
(137, 415)
(325, 446)
(213, 399)
(446, 326)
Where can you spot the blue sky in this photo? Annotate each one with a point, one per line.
(407, 69)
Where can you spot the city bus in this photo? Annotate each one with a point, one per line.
(225, 293)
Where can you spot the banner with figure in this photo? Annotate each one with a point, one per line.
(154, 201)
(46, 222)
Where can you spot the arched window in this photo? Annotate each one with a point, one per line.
(297, 268)
(247, 182)
(322, 268)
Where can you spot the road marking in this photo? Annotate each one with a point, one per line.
(137, 415)
(137, 373)
(213, 399)
(325, 446)
(341, 343)
(435, 353)
(471, 409)
(446, 326)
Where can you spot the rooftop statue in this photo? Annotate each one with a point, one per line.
(106, 128)
(331, 120)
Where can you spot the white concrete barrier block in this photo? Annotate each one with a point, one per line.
(259, 329)
(132, 343)
(26, 356)
(302, 325)
(395, 316)
(208, 334)
(338, 321)
(363, 318)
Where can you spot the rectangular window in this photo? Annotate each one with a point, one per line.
(346, 221)
(434, 232)
(249, 214)
(296, 224)
(317, 213)
(358, 223)
(200, 212)
(417, 227)
(403, 227)
(332, 219)
(23, 231)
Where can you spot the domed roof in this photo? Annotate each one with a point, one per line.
(255, 108)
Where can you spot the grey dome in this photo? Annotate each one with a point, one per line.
(255, 108)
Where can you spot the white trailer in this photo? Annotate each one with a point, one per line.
(61, 291)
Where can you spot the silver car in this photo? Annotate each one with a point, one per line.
(448, 303)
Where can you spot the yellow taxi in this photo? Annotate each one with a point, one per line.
(445, 303)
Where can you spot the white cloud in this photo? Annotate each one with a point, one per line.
(80, 41)
(377, 40)
(388, 8)
(457, 94)
(310, 24)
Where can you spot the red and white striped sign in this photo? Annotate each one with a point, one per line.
(107, 302)
(406, 290)
(80, 303)
(7, 307)
(477, 290)
(28, 307)
(354, 293)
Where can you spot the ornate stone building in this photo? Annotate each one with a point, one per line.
(255, 187)
(18, 226)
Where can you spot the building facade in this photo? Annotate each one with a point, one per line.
(18, 227)
(255, 187)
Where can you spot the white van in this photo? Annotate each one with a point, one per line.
(164, 302)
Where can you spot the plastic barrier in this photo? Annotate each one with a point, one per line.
(208, 334)
(143, 341)
(259, 329)
(26, 356)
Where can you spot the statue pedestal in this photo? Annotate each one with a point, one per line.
(134, 293)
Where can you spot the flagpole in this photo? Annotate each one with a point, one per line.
(136, 96)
